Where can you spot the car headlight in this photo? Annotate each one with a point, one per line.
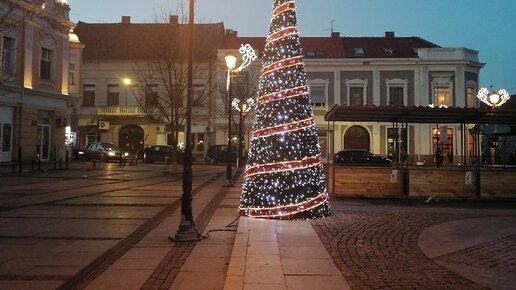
(126, 154)
(111, 153)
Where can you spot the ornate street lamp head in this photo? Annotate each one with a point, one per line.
(493, 99)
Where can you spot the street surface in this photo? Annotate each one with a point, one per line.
(416, 245)
(64, 229)
(67, 226)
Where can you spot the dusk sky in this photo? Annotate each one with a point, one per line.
(486, 26)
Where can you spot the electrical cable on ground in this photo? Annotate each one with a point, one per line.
(232, 224)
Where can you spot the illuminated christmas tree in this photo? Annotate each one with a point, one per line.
(284, 176)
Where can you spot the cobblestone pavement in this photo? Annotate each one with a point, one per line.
(497, 255)
(378, 249)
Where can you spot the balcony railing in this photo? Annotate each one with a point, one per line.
(120, 111)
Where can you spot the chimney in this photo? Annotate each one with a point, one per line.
(231, 32)
(174, 19)
(126, 19)
(389, 34)
(335, 34)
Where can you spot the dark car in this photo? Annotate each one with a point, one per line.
(360, 157)
(219, 153)
(103, 151)
(161, 153)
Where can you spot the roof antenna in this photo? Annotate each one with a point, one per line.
(331, 29)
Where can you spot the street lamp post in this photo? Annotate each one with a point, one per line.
(248, 55)
(243, 108)
(186, 231)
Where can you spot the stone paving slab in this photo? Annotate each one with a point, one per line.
(274, 254)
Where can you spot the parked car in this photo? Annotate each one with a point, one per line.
(161, 153)
(219, 153)
(360, 157)
(104, 152)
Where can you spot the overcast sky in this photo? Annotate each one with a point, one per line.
(486, 26)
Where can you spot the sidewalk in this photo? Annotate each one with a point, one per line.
(261, 254)
(274, 254)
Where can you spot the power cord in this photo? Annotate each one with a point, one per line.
(231, 227)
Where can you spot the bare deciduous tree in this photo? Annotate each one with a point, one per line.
(162, 78)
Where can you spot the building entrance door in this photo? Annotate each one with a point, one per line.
(357, 137)
(131, 138)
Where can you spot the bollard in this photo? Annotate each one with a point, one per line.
(39, 164)
(120, 163)
(66, 160)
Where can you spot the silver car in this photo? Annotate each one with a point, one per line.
(104, 152)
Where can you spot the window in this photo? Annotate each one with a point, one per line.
(471, 99)
(442, 88)
(113, 94)
(151, 95)
(318, 53)
(442, 144)
(71, 74)
(318, 95)
(88, 95)
(356, 96)
(396, 96)
(442, 97)
(356, 91)
(8, 55)
(46, 64)
(359, 51)
(388, 51)
(397, 91)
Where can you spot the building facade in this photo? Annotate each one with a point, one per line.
(134, 83)
(386, 71)
(354, 71)
(39, 79)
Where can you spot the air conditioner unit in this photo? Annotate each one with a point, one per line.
(159, 128)
(93, 122)
(104, 125)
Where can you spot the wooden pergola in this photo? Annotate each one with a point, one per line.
(401, 116)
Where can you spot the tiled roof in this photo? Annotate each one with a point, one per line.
(143, 41)
(384, 47)
(344, 47)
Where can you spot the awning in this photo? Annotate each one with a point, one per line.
(401, 114)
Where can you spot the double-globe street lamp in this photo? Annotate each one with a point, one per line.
(248, 55)
(493, 99)
(243, 108)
